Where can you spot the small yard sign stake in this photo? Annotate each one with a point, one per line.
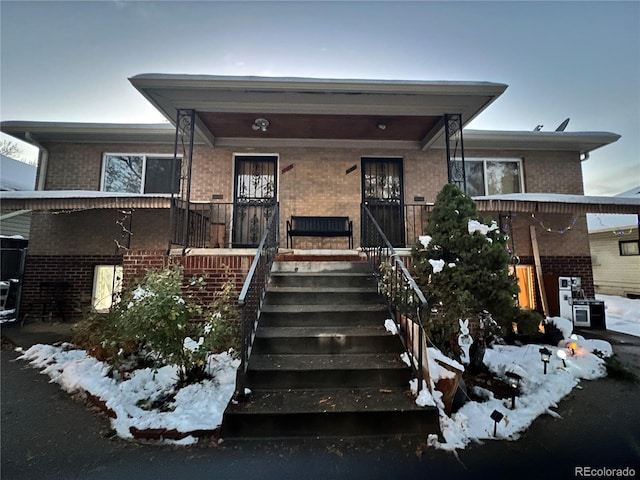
(496, 416)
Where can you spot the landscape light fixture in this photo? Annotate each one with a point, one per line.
(514, 383)
(545, 356)
(572, 346)
(496, 416)
(562, 355)
(260, 124)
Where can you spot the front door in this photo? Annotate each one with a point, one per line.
(382, 193)
(255, 190)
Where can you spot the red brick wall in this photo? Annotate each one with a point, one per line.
(216, 269)
(77, 270)
(568, 266)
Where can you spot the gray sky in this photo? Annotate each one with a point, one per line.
(69, 61)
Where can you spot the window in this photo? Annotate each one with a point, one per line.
(138, 173)
(493, 176)
(525, 275)
(107, 285)
(629, 247)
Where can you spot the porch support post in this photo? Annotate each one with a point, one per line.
(181, 197)
(455, 150)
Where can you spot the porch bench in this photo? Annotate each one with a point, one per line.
(311, 226)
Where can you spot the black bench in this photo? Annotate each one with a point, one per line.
(300, 226)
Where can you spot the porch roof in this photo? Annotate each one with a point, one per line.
(557, 203)
(78, 200)
(306, 111)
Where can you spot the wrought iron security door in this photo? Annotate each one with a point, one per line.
(254, 198)
(382, 191)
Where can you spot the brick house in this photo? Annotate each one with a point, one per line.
(199, 189)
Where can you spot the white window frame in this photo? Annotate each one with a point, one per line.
(484, 161)
(144, 156)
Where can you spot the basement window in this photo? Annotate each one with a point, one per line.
(107, 285)
(140, 173)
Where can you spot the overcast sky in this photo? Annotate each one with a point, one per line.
(70, 61)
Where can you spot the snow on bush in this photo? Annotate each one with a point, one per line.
(565, 326)
(476, 226)
(425, 240)
(437, 265)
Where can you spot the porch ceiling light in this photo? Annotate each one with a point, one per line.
(260, 124)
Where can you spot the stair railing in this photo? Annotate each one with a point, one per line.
(252, 296)
(406, 302)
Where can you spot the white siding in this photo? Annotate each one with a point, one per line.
(614, 274)
(18, 225)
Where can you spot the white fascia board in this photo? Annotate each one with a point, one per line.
(156, 80)
(89, 132)
(582, 142)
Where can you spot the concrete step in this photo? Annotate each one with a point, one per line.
(325, 340)
(295, 266)
(322, 362)
(333, 412)
(323, 315)
(321, 296)
(295, 371)
(326, 279)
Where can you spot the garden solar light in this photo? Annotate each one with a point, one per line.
(514, 382)
(496, 416)
(563, 356)
(545, 356)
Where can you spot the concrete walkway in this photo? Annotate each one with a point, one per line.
(47, 435)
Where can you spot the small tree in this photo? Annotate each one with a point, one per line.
(463, 268)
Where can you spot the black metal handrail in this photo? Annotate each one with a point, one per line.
(407, 304)
(252, 295)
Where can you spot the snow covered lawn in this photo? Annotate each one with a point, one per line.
(622, 314)
(538, 393)
(195, 408)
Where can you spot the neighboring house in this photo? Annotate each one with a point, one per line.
(14, 235)
(15, 176)
(200, 190)
(615, 251)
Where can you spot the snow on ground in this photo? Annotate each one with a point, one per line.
(622, 314)
(196, 407)
(538, 393)
(200, 406)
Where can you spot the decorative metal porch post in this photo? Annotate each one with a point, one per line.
(455, 150)
(181, 196)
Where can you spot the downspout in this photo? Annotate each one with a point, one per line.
(43, 160)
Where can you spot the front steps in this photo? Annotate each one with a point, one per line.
(323, 364)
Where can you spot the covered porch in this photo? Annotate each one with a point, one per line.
(372, 122)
